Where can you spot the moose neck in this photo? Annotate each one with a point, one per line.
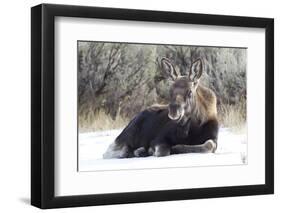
(183, 127)
(198, 111)
(184, 121)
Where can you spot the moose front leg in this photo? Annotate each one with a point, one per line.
(208, 147)
(141, 152)
(162, 150)
(159, 149)
(203, 142)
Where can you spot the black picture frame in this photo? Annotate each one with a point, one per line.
(43, 110)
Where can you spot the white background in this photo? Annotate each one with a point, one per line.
(70, 182)
(15, 106)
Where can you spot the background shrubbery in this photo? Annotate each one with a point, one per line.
(118, 80)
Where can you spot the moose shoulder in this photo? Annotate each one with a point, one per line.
(187, 124)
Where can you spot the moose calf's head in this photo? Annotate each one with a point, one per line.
(183, 90)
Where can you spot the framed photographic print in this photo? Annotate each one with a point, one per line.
(140, 106)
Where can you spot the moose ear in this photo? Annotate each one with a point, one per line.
(196, 70)
(168, 69)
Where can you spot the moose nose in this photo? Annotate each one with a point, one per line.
(174, 106)
(174, 111)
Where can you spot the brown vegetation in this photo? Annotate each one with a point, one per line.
(233, 116)
(118, 80)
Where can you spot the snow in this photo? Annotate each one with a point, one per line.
(232, 150)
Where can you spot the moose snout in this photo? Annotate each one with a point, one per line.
(175, 111)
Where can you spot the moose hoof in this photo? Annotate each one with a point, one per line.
(140, 152)
(150, 151)
(161, 151)
(210, 146)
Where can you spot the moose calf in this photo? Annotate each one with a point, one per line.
(188, 124)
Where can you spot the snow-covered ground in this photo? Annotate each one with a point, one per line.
(232, 150)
